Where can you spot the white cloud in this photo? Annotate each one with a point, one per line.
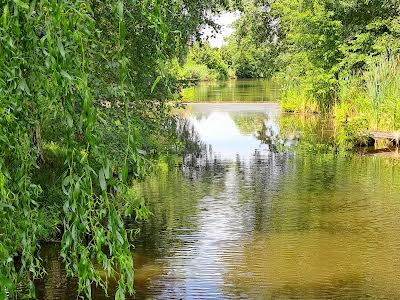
(225, 19)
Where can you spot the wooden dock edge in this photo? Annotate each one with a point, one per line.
(394, 137)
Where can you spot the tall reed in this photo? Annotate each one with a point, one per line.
(382, 83)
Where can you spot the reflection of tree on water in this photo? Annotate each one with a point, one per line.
(248, 123)
(313, 133)
(318, 228)
(273, 140)
(233, 91)
(279, 134)
(56, 285)
(189, 137)
(173, 196)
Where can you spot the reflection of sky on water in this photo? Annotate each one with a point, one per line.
(220, 131)
(197, 269)
(216, 126)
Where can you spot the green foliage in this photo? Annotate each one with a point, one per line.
(251, 51)
(204, 63)
(320, 44)
(372, 97)
(197, 72)
(382, 82)
(80, 78)
(296, 99)
(309, 39)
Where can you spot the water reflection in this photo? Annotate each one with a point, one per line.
(283, 224)
(231, 130)
(256, 218)
(330, 232)
(243, 90)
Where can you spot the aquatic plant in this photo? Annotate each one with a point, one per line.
(369, 101)
(383, 92)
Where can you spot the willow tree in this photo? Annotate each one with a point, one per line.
(59, 60)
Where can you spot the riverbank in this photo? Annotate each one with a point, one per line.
(361, 104)
(339, 58)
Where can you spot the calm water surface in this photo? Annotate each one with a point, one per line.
(254, 218)
(244, 90)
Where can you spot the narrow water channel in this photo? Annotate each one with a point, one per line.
(253, 217)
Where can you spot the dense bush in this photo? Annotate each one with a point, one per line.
(203, 63)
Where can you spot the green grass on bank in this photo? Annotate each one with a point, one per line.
(362, 103)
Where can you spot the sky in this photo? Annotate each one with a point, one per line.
(225, 19)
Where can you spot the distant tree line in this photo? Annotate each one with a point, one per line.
(328, 55)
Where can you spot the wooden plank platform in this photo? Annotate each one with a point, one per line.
(385, 135)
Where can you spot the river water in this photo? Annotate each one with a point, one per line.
(263, 212)
(250, 90)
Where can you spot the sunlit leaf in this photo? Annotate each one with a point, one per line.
(102, 180)
(155, 83)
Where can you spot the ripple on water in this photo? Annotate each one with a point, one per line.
(247, 222)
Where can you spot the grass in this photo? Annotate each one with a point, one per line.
(363, 102)
(296, 99)
(197, 72)
(370, 101)
(382, 85)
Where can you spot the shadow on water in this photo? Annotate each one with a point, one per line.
(263, 210)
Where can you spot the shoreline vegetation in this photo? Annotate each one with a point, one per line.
(332, 57)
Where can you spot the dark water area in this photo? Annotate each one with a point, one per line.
(243, 90)
(255, 216)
